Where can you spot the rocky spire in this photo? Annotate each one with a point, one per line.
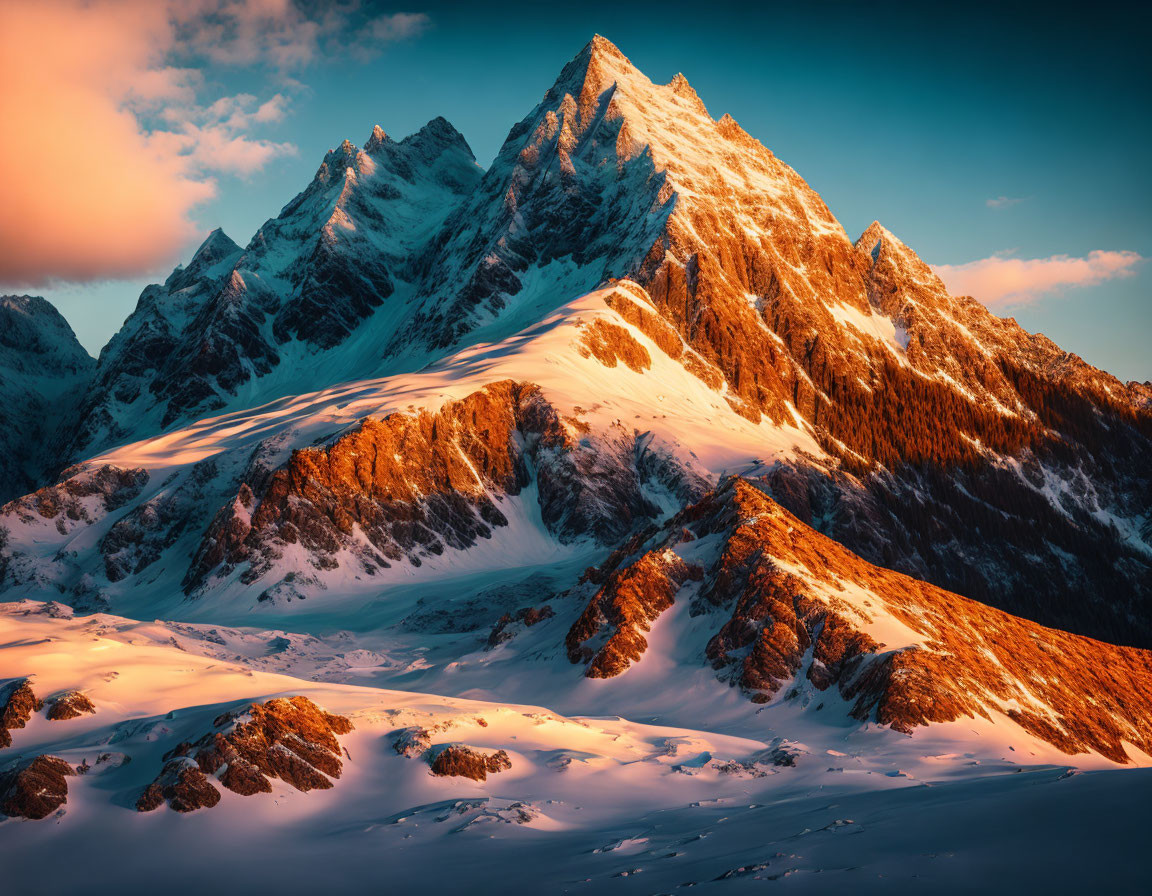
(596, 68)
(216, 247)
(378, 138)
(881, 245)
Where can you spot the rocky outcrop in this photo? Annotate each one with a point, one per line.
(457, 760)
(287, 738)
(17, 703)
(796, 610)
(182, 786)
(774, 621)
(70, 705)
(609, 635)
(82, 494)
(610, 344)
(525, 617)
(35, 788)
(413, 485)
(412, 742)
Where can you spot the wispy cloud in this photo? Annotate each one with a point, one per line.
(111, 133)
(387, 29)
(1002, 281)
(1003, 201)
(215, 137)
(288, 34)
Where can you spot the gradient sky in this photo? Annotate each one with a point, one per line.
(1012, 143)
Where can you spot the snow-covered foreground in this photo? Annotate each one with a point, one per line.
(588, 803)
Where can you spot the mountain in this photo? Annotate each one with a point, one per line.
(942, 441)
(625, 426)
(238, 327)
(43, 368)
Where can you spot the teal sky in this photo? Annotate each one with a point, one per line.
(914, 119)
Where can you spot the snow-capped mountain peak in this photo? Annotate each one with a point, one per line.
(305, 283)
(376, 138)
(217, 247)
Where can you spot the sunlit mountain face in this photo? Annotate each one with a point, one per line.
(604, 518)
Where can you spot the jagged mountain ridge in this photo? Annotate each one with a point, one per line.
(794, 611)
(235, 325)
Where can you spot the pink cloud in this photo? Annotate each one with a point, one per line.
(107, 145)
(1001, 281)
(86, 194)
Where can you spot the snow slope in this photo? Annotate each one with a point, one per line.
(588, 803)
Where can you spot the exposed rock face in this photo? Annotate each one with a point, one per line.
(794, 606)
(414, 485)
(139, 538)
(36, 788)
(411, 742)
(288, 738)
(182, 786)
(127, 376)
(17, 703)
(504, 630)
(457, 760)
(571, 191)
(71, 705)
(986, 532)
(82, 494)
(292, 739)
(610, 344)
(608, 636)
(43, 372)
